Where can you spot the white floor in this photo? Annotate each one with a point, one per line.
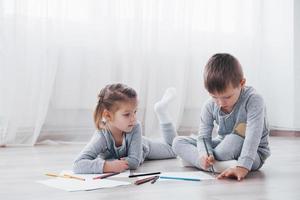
(20, 167)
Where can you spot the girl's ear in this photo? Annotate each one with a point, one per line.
(106, 115)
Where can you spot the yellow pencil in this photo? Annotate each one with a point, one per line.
(54, 175)
(65, 176)
(74, 177)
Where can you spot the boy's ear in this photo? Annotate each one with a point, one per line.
(243, 82)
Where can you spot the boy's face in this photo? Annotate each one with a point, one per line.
(227, 99)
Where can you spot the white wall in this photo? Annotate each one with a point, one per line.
(272, 69)
(297, 62)
(277, 76)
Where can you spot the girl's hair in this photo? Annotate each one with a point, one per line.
(108, 99)
(221, 70)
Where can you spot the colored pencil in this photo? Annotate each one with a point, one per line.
(145, 180)
(145, 174)
(65, 176)
(212, 167)
(106, 175)
(179, 178)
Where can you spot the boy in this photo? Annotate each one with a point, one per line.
(239, 112)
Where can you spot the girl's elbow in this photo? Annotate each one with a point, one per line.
(134, 165)
(75, 169)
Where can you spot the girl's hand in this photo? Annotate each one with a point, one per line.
(207, 161)
(237, 172)
(115, 166)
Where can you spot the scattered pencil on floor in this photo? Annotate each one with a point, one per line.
(145, 180)
(65, 176)
(106, 175)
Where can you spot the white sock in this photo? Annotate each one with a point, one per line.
(161, 107)
(220, 166)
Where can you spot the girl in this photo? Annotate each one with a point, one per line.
(118, 144)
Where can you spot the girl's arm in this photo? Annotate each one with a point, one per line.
(87, 161)
(134, 154)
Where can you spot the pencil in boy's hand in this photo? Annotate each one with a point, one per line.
(106, 175)
(212, 167)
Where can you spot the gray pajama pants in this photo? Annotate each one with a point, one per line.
(160, 149)
(227, 149)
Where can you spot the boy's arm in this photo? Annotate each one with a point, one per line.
(134, 154)
(205, 129)
(254, 130)
(87, 161)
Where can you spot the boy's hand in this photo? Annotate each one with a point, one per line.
(206, 161)
(115, 166)
(238, 172)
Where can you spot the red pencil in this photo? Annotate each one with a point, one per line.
(106, 175)
(145, 180)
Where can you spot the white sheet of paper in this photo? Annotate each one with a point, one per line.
(91, 176)
(89, 183)
(72, 185)
(196, 175)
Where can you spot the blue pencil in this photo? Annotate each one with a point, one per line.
(179, 178)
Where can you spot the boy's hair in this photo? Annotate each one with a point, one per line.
(109, 97)
(221, 70)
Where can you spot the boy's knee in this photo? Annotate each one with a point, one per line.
(230, 148)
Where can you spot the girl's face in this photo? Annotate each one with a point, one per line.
(124, 119)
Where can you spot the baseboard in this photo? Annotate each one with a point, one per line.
(284, 133)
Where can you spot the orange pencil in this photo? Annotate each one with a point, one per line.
(65, 176)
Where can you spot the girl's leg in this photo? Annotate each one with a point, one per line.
(162, 150)
(161, 107)
(158, 150)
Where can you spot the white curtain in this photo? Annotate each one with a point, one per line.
(56, 55)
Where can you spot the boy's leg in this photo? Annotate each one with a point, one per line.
(186, 149)
(257, 163)
(230, 149)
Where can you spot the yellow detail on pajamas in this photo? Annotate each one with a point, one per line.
(240, 129)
